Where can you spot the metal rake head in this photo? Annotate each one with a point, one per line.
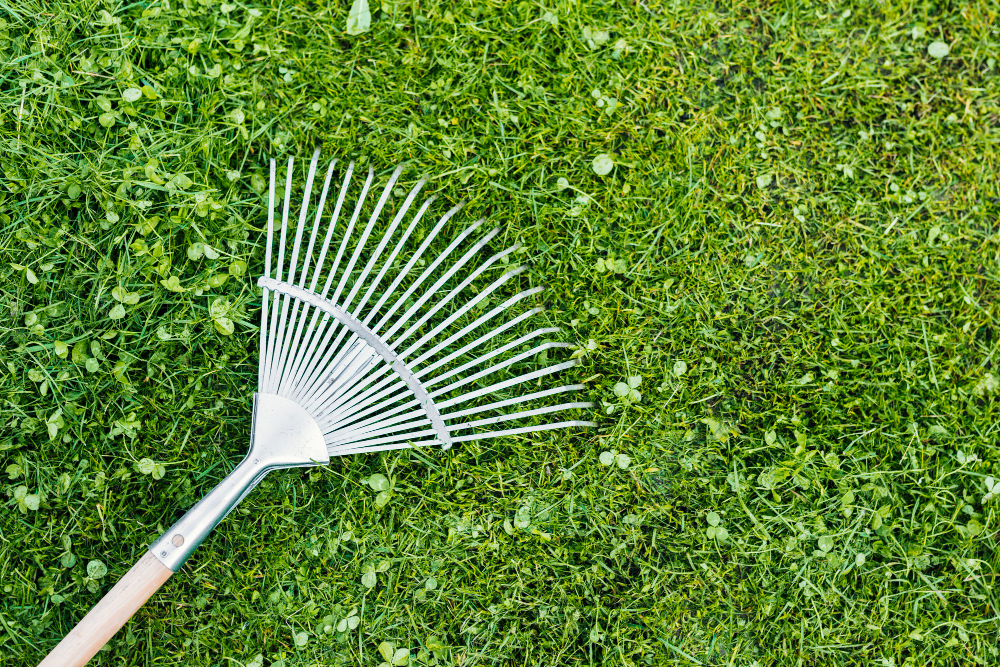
(388, 346)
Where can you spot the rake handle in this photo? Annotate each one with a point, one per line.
(110, 614)
(284, 436)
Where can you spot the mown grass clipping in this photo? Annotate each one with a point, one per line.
(770, 230)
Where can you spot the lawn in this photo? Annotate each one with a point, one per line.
(771, 231)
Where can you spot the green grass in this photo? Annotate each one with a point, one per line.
(802, 209)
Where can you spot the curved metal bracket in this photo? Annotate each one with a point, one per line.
(372, 339)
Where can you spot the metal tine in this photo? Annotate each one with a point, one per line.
(351, 421)
(464, 234)
(316, 394)
(285, 345)
(326, 396)
(485, 293)
(524, 414)
(352, 416)
(388, 263)
(333, 272)
(462, 413)
(479, 245)
(392, 257)
(389, 291)
(303, 274)
(329, 371)
(389, 434)
(317, 379)
(372, 387)
(348, 407)
(368, 395)
(354, 369)
(392, 416)
(320, 207)
(336, 439)
(394, 438)
(347, 233)
(284, 218)
(378, 251)
(380, 408)
(482, 339)
(371, 447)
(494, 353)
(352, 412)
(333, 223)
(349, 356)
(522, 430)
(441, 303)
(335, 326)
(351, 450)
(385, 423)
(330, 394)
(265, 356)
(505, 348)
(538, 349)
(278, 325)
(375, 444)
(304, 393)
(281, 256)
(359, 248)
(498, 386)
(267, 272)
(300, 228)
(320, 396)
(396, 393)
(403, 210)
(461, 311)
(360, 407)
(432, 290)
(496, 405)
(381, 428)
(379, 432)
(309, 343)
(402, 431)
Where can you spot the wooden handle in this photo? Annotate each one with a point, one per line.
(110, 614)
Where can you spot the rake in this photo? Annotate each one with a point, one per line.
(384, 347)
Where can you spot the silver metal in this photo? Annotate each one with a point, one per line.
(365, 370)
(284, 435)
(373, 346)
(349, 364)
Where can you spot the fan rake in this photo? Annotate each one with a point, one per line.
(364, 350)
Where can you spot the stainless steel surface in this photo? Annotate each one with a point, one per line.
(371, 348)
(377, 327)
(283, 435)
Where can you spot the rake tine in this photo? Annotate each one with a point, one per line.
(387, 356)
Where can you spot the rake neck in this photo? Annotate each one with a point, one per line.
(284, 436)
